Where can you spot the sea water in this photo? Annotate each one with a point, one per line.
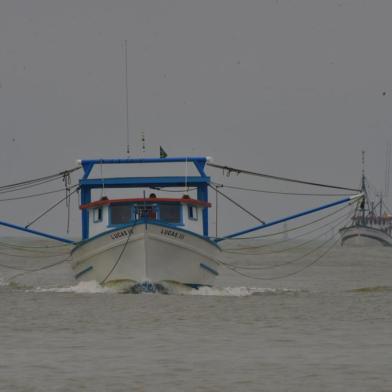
(327, 328)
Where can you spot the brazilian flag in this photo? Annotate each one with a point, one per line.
(162, 152)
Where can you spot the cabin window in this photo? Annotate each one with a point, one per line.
(97, 215)
(120, 214)
(145, 212)
(192, 212)
(170, 213)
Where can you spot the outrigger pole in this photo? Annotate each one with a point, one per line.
(39, 233)
(291, 217)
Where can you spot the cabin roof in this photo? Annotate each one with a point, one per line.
(149, 200)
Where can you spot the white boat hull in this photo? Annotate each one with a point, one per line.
(364, 236)
(146, 256)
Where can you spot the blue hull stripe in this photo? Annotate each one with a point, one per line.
(78, 275)
(209, 269)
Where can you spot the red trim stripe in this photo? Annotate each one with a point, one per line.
(182, 200)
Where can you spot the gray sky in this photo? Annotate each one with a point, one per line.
(290, 87)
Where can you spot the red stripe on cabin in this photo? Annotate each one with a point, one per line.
(183, 200)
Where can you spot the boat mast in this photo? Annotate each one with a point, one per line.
(364, 206)
(126, 96)
(363, 187)
(387, 168)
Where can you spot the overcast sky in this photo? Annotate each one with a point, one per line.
(289, 87)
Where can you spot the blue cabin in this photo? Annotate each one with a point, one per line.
(106, 214)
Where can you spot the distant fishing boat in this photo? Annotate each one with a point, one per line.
(371, 225)
(368, 227)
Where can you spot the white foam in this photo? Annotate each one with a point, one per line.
(234, 291)
(91, 287)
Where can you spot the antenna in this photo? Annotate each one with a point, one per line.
(186, 176)
(143, 142)
(365, 201)
(363, 186)
(126, 96)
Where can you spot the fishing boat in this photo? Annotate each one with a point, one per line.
(371, 224)
(144, 240)
(147, 242)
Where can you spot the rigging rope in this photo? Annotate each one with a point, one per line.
(172, 190)
(284, 231)
(51, 208)
(67, 184)
(35, 256)
(36, 269)
(241, 251)
(230, 170)
(36, 181)
(17, 246)
(30, 186)
(294, 260)
(289, 274)
(130, 229)
(237, 204)
(37, 194)
(294, 229)
(281, 193)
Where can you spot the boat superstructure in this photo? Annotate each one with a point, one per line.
(371, 225)
(148, 241)
(368, 228)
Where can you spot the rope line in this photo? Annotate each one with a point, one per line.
(120, 255)
(289, 274)
(36, 269)
(17, 246)
(37, 194)
(33, 256)
(36, 181)
(230, 170)
(51, 208)
(313, 250)
(29, 186)
(67, 185)
(172, 190)
(282, 193)
(288, 230)
(237, 204)
(339, 218)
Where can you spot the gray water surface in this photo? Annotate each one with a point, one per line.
(327, 328)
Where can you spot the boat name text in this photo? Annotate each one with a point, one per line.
(172, 233)
(122, 233)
